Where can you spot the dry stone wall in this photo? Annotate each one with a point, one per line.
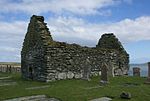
(78, 62)
(10, 68)
(44, 59)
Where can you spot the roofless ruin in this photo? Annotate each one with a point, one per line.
(44, 59)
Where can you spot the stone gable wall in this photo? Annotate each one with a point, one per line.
(33, 63)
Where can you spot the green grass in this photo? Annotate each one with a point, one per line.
(77, 90)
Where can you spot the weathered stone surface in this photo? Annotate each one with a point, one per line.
(148, 78)
(44, 59)
(70, 75)
(149, 69)
(61, 76)
(109, 41)
(9, 68)
(102, 99)
(136, 71)
(34, 98)
(125, 95)
(87, 70)
(118, 71)
(78, 75)
(104, 73)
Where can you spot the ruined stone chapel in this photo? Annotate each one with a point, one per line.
(44, 59)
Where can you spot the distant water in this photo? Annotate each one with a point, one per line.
(143, 67)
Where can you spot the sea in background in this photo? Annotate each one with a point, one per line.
(143, 69)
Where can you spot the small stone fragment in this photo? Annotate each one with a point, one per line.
(125, 95)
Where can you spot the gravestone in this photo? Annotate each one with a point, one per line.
(87, 70)
(149, 70)
(148, 78)
(104, 73)
(136, 71)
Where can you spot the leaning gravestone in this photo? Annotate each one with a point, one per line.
(136, 71)
(104, 73)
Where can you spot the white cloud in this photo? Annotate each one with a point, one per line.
(82, 7)
(12, 35)
(8, 49)
(128, 1)
(70, 28)
(11, 38)
(13, 28)
(127, 30)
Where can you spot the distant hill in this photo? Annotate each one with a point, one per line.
(142, 64)
(10, 63)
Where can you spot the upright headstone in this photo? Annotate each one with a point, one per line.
(7, 68)
(87, 70)
(136, 71)
(104, 73)
(149, 70)
(0, 68)
(148, 78)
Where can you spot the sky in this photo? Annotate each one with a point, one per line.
(78, 21)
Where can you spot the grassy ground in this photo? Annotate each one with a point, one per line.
(78, 90)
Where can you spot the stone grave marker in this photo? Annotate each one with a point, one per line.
(87, 70)
(136, 71)
(104, 73)
(148, 78)
(149, 70)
